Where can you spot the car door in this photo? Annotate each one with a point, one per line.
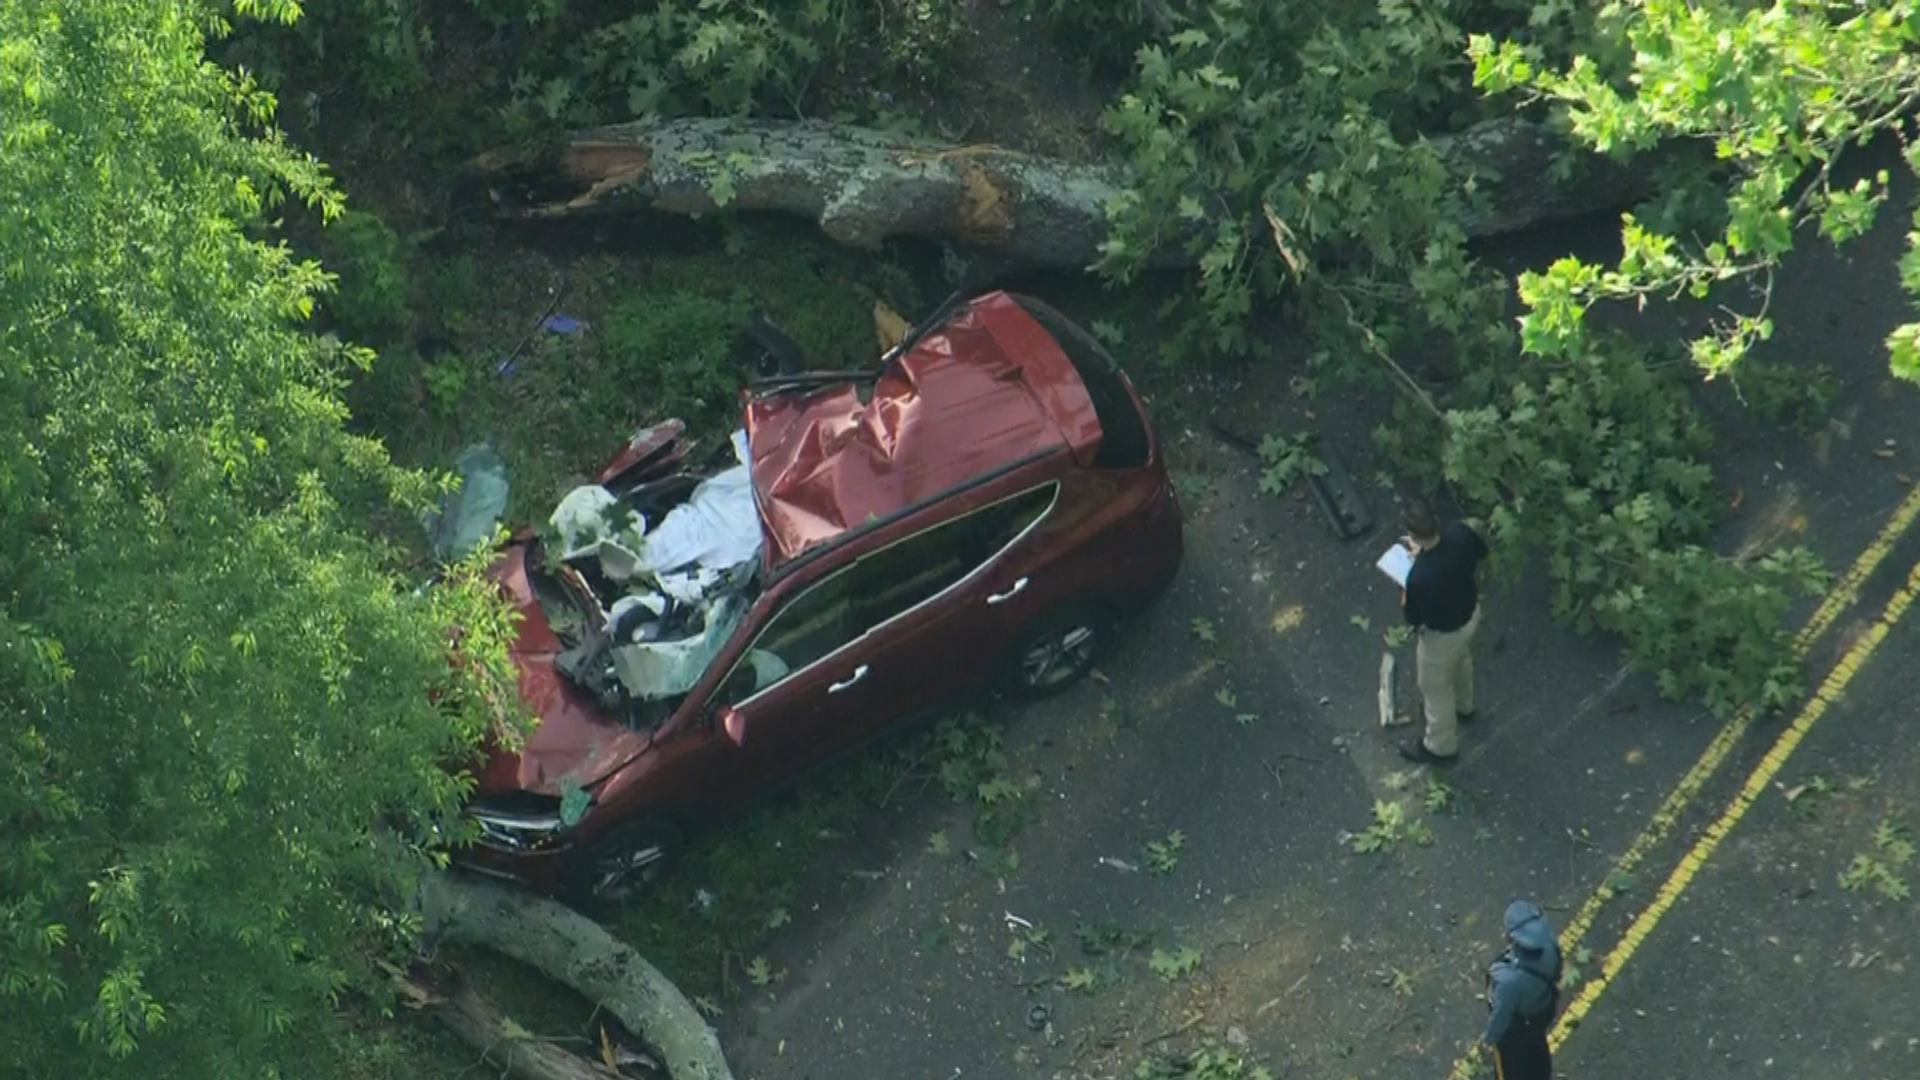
(931, 641)
(792, 688)
(1016, 584)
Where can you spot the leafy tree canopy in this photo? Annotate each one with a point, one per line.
(1779, 91)
(224, 715)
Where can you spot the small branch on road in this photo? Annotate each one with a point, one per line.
(1188, 1025)
(1275, 770)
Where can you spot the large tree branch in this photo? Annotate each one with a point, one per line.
(864, 186)
(575, 951)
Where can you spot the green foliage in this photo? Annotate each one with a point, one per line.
(1162, 856)
(1037, 940)
(1594, 459)
(228, 716)
(1271, 143)
(1174, 964)
(720, 56)
(1103, 38)
(672, 350)
(378, 47)
(1266, 136)
(1779, 91)
(970, 760)
(370, 297)
(1079, 980)
(760, 972)
(524, 68)
(1284, 461)
(1883, 867)
(730, 57)
(1391, 827)
(1211, 1061)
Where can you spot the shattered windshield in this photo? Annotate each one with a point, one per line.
(645, 578)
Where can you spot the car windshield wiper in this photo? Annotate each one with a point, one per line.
(934, 319)
(774, 384)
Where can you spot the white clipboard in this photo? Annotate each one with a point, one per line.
(1396, 562)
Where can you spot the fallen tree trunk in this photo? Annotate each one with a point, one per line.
(864, 186)
(575, 951)
(481, 1025)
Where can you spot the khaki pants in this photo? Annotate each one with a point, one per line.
(1443, 662)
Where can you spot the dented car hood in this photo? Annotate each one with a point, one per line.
(575, 743)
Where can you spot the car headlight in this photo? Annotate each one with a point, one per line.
(529, 825)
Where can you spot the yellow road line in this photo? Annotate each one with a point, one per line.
(1848, 586)
(1844, 591)
(1690, 864)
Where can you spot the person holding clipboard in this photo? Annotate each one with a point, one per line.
(1439, 591)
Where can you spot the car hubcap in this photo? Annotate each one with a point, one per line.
(1058, 657)
(616, 874)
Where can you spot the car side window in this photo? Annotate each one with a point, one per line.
(878, 587)
(811, 625)
(898, 577)
(994, 527)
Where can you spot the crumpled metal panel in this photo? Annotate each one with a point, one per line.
(576, 742)
(985, 390)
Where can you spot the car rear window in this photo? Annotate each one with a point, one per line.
(1123, 432)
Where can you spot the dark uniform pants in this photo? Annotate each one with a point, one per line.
(1522, 1053)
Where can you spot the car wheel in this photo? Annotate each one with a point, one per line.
(1057, 651)
(620, 863)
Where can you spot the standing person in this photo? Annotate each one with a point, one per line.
(1442, 603)
(1523, 991)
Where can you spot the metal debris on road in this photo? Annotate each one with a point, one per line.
(1119, 864)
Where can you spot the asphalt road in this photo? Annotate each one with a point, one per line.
(1327, 962)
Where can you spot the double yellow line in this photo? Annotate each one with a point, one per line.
(1696, 857)
(1842, 595)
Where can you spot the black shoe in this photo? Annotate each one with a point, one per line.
(1464, 718)
(1418, 753)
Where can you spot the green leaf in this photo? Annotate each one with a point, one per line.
(574, 802)
(1176, 964)
(1079, 980)
(1903, 349)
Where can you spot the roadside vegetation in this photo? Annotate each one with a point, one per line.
(234, 361)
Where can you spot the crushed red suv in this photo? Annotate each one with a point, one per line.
(976, 510)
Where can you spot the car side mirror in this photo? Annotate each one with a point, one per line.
(734, 723)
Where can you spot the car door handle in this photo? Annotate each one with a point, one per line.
(1001, 598)
(858, 674)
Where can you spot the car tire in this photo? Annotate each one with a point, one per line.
(623, 861)
(1057, 651)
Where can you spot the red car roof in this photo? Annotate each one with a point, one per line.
(985, 390)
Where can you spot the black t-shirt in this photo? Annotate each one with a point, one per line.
(1441, 591)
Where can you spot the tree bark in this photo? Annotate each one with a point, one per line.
(864, 186)
(575, 951)
(481, 1025)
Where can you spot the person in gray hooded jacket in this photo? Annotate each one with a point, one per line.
(1523, 991)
